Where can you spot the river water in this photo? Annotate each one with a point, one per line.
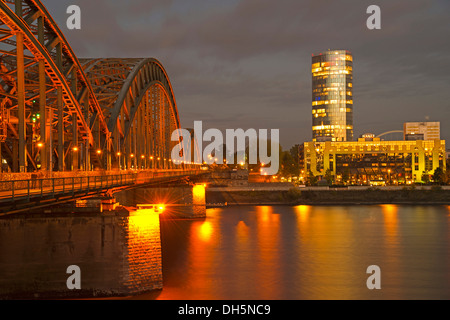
(307, 252)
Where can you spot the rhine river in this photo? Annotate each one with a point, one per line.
(307, 252)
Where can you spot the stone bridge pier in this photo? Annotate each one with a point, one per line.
(117, 253)
(186, 202)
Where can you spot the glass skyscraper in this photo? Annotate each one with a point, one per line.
(332, 96)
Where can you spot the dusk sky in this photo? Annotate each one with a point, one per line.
(247, 63)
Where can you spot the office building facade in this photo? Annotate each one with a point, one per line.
(394, 162)
(422, 130)
(332, 96)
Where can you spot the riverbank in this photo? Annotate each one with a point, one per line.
(297, 196)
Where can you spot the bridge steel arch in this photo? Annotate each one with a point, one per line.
(137, 99)
(59, 113)
(388, 133)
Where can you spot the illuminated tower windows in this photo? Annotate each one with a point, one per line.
(332, 96)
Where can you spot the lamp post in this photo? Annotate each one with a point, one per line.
(118, 156)
(133, 165)
(39, 145)
(75, 158)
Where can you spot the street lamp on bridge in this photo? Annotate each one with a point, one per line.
(119, 154)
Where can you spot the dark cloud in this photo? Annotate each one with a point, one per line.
(247, 63)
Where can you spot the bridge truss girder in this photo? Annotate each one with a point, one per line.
(59, 114)
(42, 78)
(138, 101)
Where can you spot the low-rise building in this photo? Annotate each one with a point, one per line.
(372, 160)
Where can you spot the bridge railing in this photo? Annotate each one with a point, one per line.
(15, 189)
(12, 190)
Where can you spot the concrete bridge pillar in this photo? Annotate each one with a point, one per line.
(198, 194)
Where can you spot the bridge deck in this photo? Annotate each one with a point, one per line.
(18, 195)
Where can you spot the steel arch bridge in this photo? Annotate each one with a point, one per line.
(61, 113)
(390, 133)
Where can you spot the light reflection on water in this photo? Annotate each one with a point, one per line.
(143, 249)
(308, 252)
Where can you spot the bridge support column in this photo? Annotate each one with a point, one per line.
(75, 148)
(142, 153)
(60, 106)
(122, 146)
(138, 138)
(87, 158)
(127, 160)
(21, 103)
(15, 152)
(199, 201)
(134, 145)
(50, 139)
(192, 201)
(108, 152)
(45, 149)
(186, 202)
